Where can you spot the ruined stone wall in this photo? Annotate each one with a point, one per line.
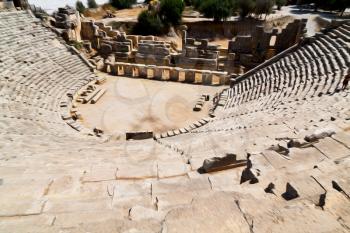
(228, 29)
(68, 19)
(250, 50)
(290, 35)
(167, 73)
(199, 54)
(89, 31)
(153, 52)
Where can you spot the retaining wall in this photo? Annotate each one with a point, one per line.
(167, 73)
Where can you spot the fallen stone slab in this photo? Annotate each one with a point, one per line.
(90, 96)
(280, 149)
(221, 163)
(319, 134)
(298, 143)
(98, 96)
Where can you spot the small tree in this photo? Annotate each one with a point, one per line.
(170, 11)
(264, 7)
(80, 7)
(197, 3)
(122, 4)
(217, 9)
(148, 23)
(92, 4)
(245, 7)
(335, 5)
(280, 3)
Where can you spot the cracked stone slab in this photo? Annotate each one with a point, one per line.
(142, 213)
(100, 174)
(302, 216)
(21, 207)
(171, 168)
(332, 149)
(131, 190)
(62, 204)
(215, 213)
(343, 138)
(36, 223)
(142, 170)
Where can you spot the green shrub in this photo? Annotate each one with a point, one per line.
(80, 7)
(122, 4)
(217, 9)
(170, 11)
(92, 4)
(245, 7)
(197, 3)
(280, 3)
(264, 6)
(148, 23)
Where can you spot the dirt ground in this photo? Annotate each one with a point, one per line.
(121, 15)
(132, 105)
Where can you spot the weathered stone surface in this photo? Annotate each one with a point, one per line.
(332, 149)
(215, 213)
(222, 163)
(320, 134)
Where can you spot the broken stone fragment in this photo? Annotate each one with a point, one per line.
(221, 163)
(280, 149)
(298, 143)
(319, 134)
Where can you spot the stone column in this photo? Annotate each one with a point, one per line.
(166, 74)
(174, 74)
(183, 29)
(206, 78)
(150, 71)
(190, 76)
(142, 71)
(120, 70)
(128, 70)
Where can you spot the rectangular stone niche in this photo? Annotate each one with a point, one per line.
(138, 135)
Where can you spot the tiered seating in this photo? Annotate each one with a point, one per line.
(287, 100)
(36, 73)
(285, 93)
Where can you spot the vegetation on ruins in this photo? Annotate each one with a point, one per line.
(80, 7)
(332, 5)
(159, 17)
(92, 4)
(222, 9)
(217, 9)
(280, 3)
(264, 7)
(122, 4)
(148, 23)
(170, 11)
(245, 7)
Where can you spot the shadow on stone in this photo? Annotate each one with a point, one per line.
(291, 193)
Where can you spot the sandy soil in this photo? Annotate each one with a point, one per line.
(144, 105)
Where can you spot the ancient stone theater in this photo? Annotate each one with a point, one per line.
(102, 130)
